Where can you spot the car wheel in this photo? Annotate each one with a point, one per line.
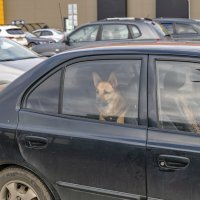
(30, 45)
(20, 184)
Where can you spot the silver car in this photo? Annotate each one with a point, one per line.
(15, 60)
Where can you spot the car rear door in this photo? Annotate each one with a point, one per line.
(173, 146)
(83, 156)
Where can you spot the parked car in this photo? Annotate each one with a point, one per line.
(181, 28)
(13, 32)
(108, 30)
(34, 40)
(14, 61)
(51, 33)
(30, 27)
(117, 121)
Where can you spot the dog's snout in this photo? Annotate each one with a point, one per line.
(101, 102)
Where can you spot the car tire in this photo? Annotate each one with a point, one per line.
(20, 184)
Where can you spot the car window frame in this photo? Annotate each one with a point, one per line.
(153, 119)
(142, 96)
(81, 27)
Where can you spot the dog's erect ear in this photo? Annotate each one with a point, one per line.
(96, 78)
(112, 80)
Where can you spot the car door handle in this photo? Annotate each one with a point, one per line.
(36, 142)
(172, 163)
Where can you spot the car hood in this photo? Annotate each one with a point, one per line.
(23, 65)
(10, 70)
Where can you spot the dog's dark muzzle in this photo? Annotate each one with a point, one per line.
(101, 103)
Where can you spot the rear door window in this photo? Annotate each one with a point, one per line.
(45, 97)
(114, 32)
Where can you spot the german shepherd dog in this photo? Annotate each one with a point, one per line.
(110, 103)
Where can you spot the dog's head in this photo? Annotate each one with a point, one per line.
(106, 91)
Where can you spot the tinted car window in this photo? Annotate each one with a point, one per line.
(37, 33)
(105, 90)
(113, 32)
(45, 97)
(185, 28)
(178, 93)
(88, 33)
(46, 33)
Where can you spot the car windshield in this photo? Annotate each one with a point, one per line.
(10, 51)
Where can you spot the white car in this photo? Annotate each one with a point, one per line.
(15, 60)
(51, 33)
(13, 32)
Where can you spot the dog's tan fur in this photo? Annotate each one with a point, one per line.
(115, 104)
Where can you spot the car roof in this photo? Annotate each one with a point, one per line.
(156, 47)
(115, 20)
(45, 29)
(185, 20)
(9, 27)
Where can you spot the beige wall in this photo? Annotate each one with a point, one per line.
(141, 8)
(53, 11)
(49, 11)
(195, 9)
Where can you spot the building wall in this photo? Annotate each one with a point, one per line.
(141, 8)
(52, 12)
(1, 12)
(194, 9)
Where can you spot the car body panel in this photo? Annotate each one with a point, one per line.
(34, 40)
(89, 159)
(15, 60)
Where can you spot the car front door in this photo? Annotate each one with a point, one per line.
(87, 151)
(173, 146)
(84, 36)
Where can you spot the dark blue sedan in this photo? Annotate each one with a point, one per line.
(112, 122)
